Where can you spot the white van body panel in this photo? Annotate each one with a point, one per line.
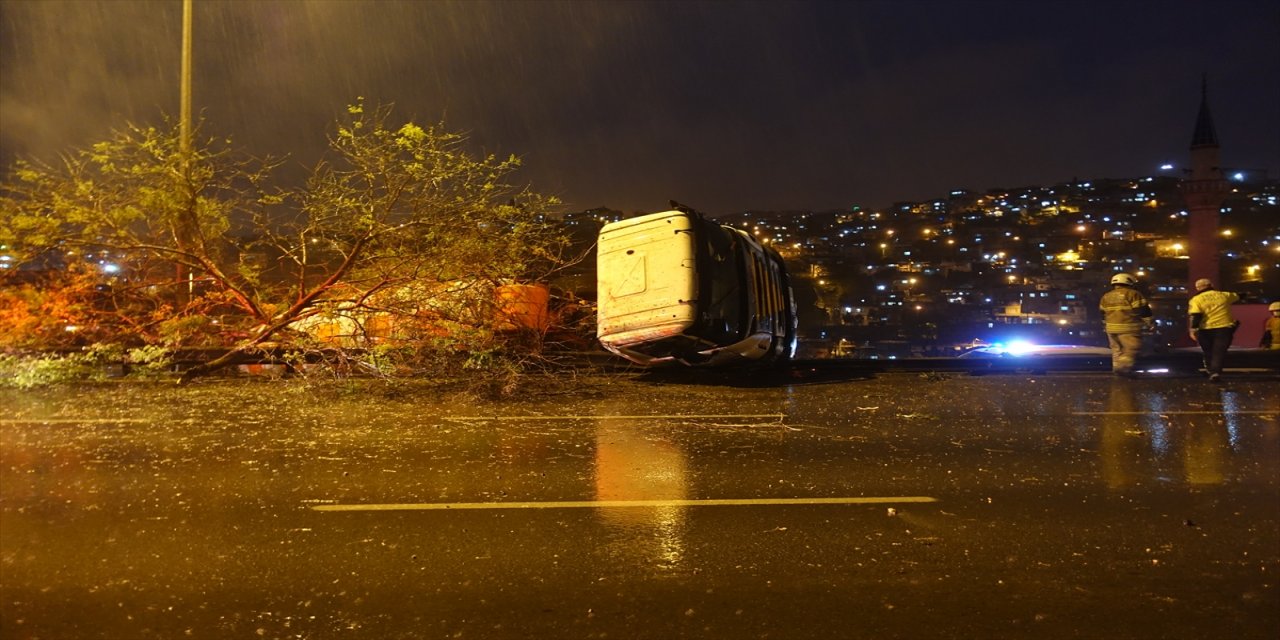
(646, 279)
(648, 293)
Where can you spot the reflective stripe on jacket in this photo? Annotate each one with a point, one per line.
(1123, 309)
(1216, 307)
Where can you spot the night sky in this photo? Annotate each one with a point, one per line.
(724, 106)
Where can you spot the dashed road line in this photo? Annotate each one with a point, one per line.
(73, 420)
(758, 416)
(1173, 413)
(621, 504)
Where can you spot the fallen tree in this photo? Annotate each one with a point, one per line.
(203, 248)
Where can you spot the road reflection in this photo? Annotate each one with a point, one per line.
(1118, 446)
(1143, 439)
(631, 463)
(1211, 439)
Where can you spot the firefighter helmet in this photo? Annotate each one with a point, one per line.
(1124, 279)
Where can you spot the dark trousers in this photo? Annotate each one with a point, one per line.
(1214, 343)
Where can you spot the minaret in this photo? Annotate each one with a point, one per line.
(1203, 189)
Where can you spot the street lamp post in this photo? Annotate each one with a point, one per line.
(187, 224)
(185, 108)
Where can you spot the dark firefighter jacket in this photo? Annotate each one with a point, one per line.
(1123, 310)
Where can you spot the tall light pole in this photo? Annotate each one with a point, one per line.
(186, 226)
(185, 115)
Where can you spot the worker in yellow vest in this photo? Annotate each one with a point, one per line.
(1212, 325)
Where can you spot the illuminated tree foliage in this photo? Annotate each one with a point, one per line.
(151, 223)
(401, 244)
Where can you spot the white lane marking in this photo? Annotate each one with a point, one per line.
(1172, 413)
(615, 504)
(770, 416)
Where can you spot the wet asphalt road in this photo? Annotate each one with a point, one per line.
(904, 506)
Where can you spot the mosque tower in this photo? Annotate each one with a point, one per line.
(1203, 189)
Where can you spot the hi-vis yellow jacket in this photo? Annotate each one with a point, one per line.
(1216, 307)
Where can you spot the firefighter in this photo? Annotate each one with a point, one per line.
(1271, 330)
(1126, 315)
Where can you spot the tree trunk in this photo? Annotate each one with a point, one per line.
(221, 362)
